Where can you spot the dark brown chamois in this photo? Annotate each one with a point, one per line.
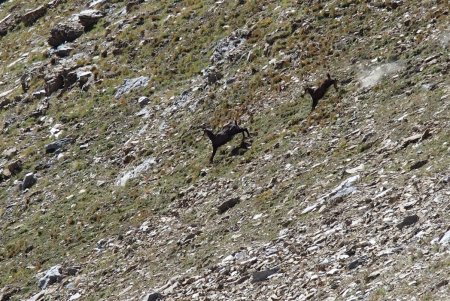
(319, 93)
(224, 136)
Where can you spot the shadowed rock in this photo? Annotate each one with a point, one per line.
(263, 275)
(153, 297)
(225, 206)
(408, 221)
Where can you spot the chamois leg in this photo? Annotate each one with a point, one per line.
(244, 130)
(314, 104)
(243, 135)
(213, 154)
(243, 143)
(248, 134)
(243, 139)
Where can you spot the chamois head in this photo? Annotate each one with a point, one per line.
(309, 90)
(331, 81)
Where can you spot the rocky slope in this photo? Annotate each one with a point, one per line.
(106, 192)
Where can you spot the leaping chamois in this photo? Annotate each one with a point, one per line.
(319, 93)
(224, 136)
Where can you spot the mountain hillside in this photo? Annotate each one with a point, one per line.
(106, 187)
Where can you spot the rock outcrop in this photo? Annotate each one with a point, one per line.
(32, 16)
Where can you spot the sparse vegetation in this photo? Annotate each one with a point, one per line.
(265, 52)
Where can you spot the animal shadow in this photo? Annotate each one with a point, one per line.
(241, 149)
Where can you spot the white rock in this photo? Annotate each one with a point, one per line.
(131, 174)
(445, 239)
(75, 297)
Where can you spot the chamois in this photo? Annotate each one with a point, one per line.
(319, 93)
(224, 136)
